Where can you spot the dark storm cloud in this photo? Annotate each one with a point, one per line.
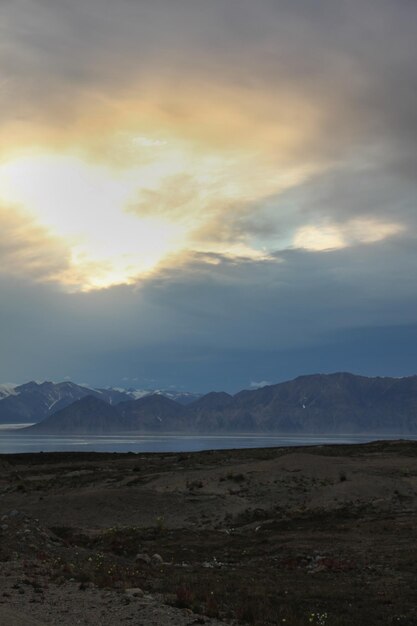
(223, 325)
(352, 61)
(348, 66)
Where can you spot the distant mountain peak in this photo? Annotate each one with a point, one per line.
(213, 399)
(36, 400)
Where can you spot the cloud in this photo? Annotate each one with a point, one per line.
(353, 232)
(219, 325)
(276, 77)
(260, 384)
(268, 120)
(28, 250)
(265, 134)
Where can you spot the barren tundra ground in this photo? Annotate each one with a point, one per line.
(294, 536)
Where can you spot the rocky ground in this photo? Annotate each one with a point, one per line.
(295, 536)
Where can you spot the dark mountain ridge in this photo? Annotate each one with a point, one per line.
(89, 415)
(155, 413)
(339, 403)
(34, 401)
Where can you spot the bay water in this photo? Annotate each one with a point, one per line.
(12, 441)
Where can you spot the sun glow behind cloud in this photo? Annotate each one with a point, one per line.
(117, 225)
(85, 206)
(120, 224)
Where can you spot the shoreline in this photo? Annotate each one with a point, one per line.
(16, 442)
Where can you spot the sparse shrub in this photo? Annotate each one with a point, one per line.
(184, 597)
(194, 484)
(84, 576)
(212, 608)
(237, 478)
(342, 476)
(246, 613)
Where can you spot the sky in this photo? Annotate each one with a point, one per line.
(207, 195)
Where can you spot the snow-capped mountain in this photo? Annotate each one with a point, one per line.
(34, 401)
(183, 397)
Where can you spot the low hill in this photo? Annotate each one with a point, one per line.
(89, 415)
(154, 413)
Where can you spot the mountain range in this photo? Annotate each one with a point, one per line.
(34, 401)
(339, 403)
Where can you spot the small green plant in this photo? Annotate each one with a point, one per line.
(160, 524)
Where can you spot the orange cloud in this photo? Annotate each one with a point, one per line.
(29, 250)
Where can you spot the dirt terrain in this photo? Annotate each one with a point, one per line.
(294, 536)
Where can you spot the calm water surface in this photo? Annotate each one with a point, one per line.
(11, 442)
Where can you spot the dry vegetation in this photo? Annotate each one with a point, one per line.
(321, 535)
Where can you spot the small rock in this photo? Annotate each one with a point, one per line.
(84, 586)
(134, 592)
(157, 558)
(316, 569)
(144, 558)
(4, 526)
